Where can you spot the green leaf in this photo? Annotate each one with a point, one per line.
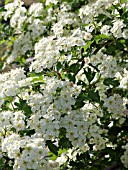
(62, 132)
(75, 68)
(94, 96)
(123, 1)
(2, 42)
(111, 48)
(71, 78)
(2, 162)
(20, 60)
(111, 81)
(80, 100)
(1, 65)
(37, 79)
(58, 66)
(25, 107)
(61, 151)
(81, 83)
(120, 45)
(89, 74)
(113, 132)
(7, 1)
(52, 156)
(97, 38)
(53, 148)
(64, 143)
(17, 104)
(79, 165)
(88, 45)
(22, 105)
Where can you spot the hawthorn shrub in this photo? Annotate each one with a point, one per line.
(64, 85)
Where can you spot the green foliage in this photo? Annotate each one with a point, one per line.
(22, 105)
(111, 81)
(53, 148)
(7, 1)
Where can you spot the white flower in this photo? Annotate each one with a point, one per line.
(124, 158)
(105, 29)
(57, 29)
(5, 119)
(125, 33)
(36, 9)
(117, 28)
(51, 1)
(62, 159)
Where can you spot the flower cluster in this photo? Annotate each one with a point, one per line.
(9, 82)
(124, 157)
(67, 108)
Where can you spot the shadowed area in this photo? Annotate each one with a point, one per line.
(26, 2)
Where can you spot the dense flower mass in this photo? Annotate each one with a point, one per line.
(63, 101)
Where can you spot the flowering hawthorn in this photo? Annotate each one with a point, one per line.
(63, 103)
